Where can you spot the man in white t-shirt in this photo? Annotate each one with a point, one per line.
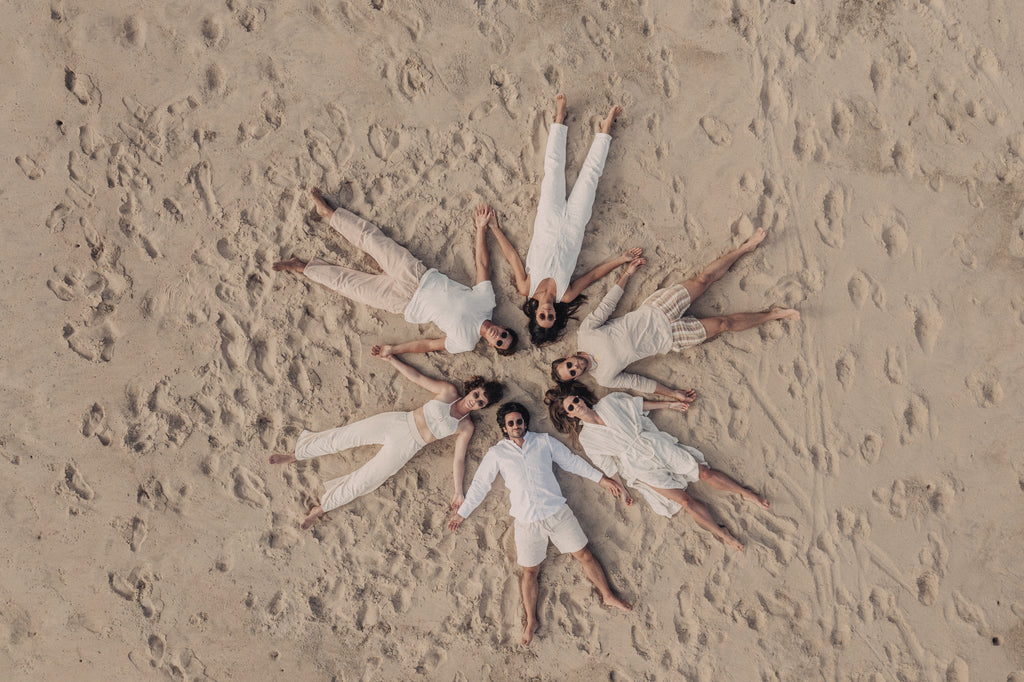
(524, 459)
(408, 288)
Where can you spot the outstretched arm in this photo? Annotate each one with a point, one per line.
(626, 497)
(442, 389)
(417, 346)
(462, 436)
(483, 259)
(577, 287)
(511, 255)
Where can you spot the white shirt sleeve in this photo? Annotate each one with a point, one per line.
(571, 462)
(604, 309)
(483, 479)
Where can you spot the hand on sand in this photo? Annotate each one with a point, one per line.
(383, 352)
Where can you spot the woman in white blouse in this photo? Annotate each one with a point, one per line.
(558, 234)
(622, 441)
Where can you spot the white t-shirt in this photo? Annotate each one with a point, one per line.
(456, 309)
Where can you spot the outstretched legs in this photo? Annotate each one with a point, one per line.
(720, 481)
(595, 574)
(528, 587)
(606, 124)
(737, 322)
(701, 514)
(559, 108)
(717, 268)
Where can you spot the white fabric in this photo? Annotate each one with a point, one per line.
(438, 416)
(399, 439)
(561, 528)
(617, 343)
(456, 309)
(631, 445)
(560, 223)
(528, 475)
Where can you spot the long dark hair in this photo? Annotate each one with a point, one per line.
(562, 420)
(563, 311)
(494, 391)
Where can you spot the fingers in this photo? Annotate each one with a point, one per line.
(375, 351)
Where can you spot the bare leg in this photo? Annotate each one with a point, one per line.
(323, 209)
(283, 458)
(528, 586)
(699, 511)
(314, 514)
(717, 268)
(737, 322)
(290, 265)
(595, 574)
(559, 108)
(720, 481)
(606, 124)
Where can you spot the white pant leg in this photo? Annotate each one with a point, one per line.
(580, 205)
(364, 432)
(552, 187)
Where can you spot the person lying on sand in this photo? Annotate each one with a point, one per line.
(657, 326)
(619, 438)
(400, 434)
(558, 234)
(524, 460)
(407, 287)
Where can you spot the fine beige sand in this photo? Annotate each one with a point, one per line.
(155, 163)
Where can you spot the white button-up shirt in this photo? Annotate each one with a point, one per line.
(528, 474)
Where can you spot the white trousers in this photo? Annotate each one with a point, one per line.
(561, 221)
(399, 439)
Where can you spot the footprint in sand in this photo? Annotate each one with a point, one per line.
(831, 223)
(928, 321)
(92, 343)
(82, 87)
(895, 364)
(29, 167)
(382, 141)
(846, 367)
(915, 420)
(212, 30)
(95, 424)
(139, 533)
(133, 31)
(716, 130)
(985, 386)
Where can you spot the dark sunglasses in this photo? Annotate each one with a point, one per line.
(501, 337)
(572, 404)
(516, 422)
(570, 369)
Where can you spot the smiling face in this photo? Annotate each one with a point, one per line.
(545, 316)
(573, 367)
(514, 426)
(496, 337)
(475, 400)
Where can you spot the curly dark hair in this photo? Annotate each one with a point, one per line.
(562, 420)
(510, 347)
(563, 311)
(509, 408)
(494, 391)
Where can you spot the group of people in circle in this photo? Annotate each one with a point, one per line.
(629, 451)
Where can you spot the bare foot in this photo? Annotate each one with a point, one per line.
(314, 514)
(283, 458)
(754, 240)
(322, 207)
(784, 313)
(531, 627)
(606, 124)
(756, 499)
(728, 539)
(290, 265)
(612, 600)
(559, 108)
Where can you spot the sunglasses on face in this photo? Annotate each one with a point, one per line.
(546, 317)
(500, 343)
(572, 404)
(514, 422)
(571, 369)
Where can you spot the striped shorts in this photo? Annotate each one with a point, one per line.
(687, 331)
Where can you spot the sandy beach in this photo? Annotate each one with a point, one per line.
(157, 159)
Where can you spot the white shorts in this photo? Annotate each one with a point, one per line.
(561, 528)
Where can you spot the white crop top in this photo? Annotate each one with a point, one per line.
(439, 418)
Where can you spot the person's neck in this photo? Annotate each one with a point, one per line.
(590, 417)
(457, 410)
(518, 441)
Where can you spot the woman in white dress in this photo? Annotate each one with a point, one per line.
(558, 234)
(622, 441)
(400, 434)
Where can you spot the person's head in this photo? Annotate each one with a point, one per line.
(513, 420)
(564, 402)
(501, 339)
(479, 393)
(547, 320)
(570, 367)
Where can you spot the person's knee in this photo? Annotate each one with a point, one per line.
(531, 572)
(583, 555)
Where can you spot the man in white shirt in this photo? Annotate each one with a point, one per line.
(524, 460)
(407, 287)
(658, 326)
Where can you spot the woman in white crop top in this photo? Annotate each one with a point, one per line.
(400, 434)
(558, 235)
